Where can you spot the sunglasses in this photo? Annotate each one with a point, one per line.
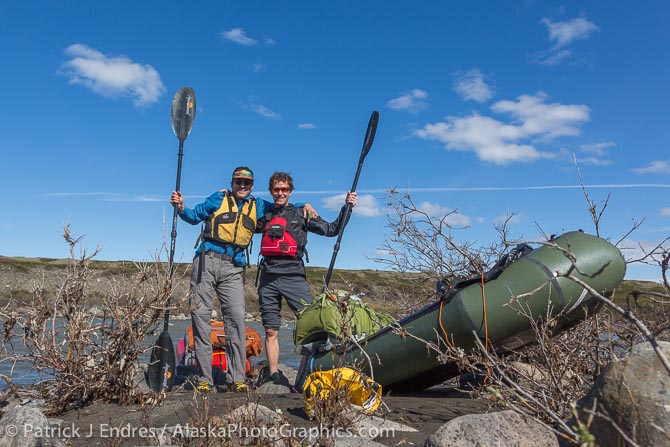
(280, 190)
(239, 182)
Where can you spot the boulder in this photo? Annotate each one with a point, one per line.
(632, 392)
(493, 429)
(26, 426)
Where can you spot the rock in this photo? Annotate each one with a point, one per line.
(493, 429)
(254, 413)
(374, 426)
(634, 392)
(287, 376)
(355, 441)
(26, 426)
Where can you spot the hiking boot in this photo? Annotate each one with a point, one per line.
(239, 387)
(203, 387)
(272, 378)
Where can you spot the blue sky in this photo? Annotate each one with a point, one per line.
(483, 106)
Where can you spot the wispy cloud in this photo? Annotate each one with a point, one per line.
(471, 85)
(239, 36)
(594, 161)
(563, 34)
(412, 102)
(598, 148)
(365, 196)
(112, 76)
(665, 212)
(111, 196)
(655, 167)
(366, 204)
(269, 41)
(632, 249)
(260, 109)
(502, 143)
(598, 154)
(510, 218)
(451, 216)
(551, 58)
(306, 126)
(524, 188)
(257, 68)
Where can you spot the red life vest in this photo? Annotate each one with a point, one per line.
(284, 234)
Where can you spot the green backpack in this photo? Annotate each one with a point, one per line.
(336, 314)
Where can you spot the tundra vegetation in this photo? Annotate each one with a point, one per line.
(94, 357)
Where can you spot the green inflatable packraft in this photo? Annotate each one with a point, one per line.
(338, 313)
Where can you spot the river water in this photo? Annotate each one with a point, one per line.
(21, 373)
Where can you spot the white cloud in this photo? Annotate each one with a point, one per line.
(366, 204)
(562, 34)
(552, 58)
(565, 33)
(511, 219)
(598, 154)
(112, 76)
(262, 110)
(594, 161)
(632, 249)
(472, 86)
(269, 41)
(665, 212)
(433, 209)
(452, 217)
(501, 143)
(598, 148)
(546, 121)
(412, 102)
(238, 36)
(655, 167)
(306, 126)
(491, 140)
(257, 68)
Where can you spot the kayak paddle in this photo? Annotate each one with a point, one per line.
(162, 361)
(367, 144)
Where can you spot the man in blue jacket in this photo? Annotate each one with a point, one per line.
(230, 222)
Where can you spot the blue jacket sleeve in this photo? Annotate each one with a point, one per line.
(200, 212)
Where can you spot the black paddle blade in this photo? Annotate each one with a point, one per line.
(183, 112)
(162, 363)
(370, 134)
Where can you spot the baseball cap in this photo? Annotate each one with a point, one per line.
(243, 172)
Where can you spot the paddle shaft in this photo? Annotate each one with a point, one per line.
(173, 235)
(347, 214)
(367, 144)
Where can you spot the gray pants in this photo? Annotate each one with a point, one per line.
(225, 278)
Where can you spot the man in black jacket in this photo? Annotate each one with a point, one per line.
(282, 270)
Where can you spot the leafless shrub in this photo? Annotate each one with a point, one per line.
(423, 248)
(87, 357)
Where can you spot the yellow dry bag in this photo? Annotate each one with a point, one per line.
(361, 390)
